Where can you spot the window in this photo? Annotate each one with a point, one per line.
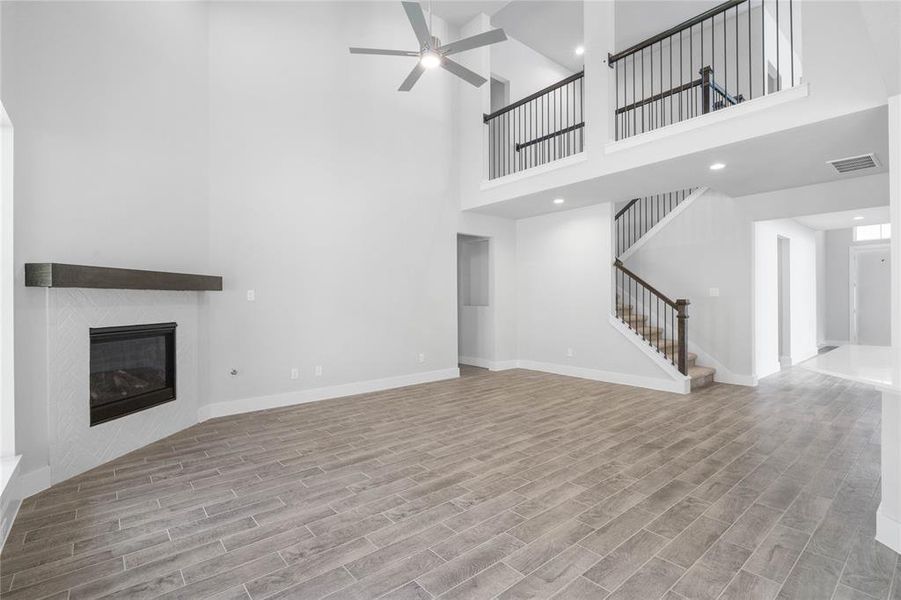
(869, 233)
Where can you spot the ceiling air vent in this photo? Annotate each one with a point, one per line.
(854, 163)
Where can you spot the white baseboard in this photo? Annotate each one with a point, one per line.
(474, 361)
(244, 405)
(10, 500)
(35, 481)
(767, 370)
(504, 365)
(722, 375)
(651, 383)
(484, 363)
(662, 223)
(682, 382)
(888, 530)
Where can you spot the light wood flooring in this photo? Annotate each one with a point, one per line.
(507, 485)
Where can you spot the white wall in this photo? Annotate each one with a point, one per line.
(707, 246)
(333, 199)
(803, 293)
(837, 284)
(894, 125)
(524, 69)
(564, 300)
(109, 101)
(820, 237)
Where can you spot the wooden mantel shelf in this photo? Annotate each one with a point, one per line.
(82, 276)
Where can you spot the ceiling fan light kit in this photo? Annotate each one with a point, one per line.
(432, 54)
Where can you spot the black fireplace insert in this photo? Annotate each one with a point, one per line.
(132, 369)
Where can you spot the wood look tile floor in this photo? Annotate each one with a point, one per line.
(508, 485)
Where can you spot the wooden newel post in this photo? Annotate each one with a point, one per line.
(682, 316)
(706, 80)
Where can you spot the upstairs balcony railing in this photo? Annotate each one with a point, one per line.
(739, 50)
(541, 128)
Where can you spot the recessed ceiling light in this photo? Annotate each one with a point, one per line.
(717, 166)
(858, 218)
(559, 200)
(580, 50)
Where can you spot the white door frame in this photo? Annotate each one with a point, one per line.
(853, 252)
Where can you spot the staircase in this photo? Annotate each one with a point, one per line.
(654, 318)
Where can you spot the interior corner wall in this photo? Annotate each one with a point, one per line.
(525, 70)
(820, 238)
(707, 246)
(333, 199)
(802, 294)
(837, 298)
(111, 156)
(564, 291)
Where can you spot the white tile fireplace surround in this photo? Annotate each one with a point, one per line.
(75, 446)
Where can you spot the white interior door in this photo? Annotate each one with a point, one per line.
(871, 296)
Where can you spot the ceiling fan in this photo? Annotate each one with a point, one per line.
(432, 54)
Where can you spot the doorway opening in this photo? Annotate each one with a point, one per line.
(500, 92)
(474, 315)
(783, 262)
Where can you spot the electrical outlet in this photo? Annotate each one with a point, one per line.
(569, 352)
(251, 295)
(318, 370)
(421, 357)
(295, 373)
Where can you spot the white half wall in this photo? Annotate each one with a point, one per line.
(802, 296)
(565, 295)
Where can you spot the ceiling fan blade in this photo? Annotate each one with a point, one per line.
(412, 78)
(462, 72)
(381, 51)
(477, 41)
(417, 20)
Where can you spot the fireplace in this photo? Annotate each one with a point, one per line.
(132, 369)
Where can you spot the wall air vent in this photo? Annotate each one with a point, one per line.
(854, 163)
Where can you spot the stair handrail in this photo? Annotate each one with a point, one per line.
(640, 215)
(680, 311)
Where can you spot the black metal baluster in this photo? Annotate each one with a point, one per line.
(750, 58)
(725, 60)
(778, 81)
(763, 45)
(643, 128)
(791, 40)
(737, 75)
